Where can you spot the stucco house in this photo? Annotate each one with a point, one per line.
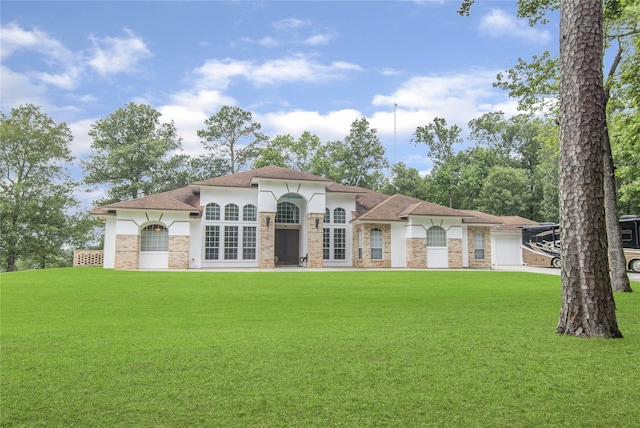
(274, 216)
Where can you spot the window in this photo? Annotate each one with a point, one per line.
(339, 244)
(249, 213)
(326, 244)
(436, 237)
(231, 212)
(212, 212)
(339, 215)
(478, 245)
(359, 244)
(211, 242)
(626, 236)
(327, 216)
(249, 242)
(231, 242)
(154, 237)
(288, 213)
(376, 244)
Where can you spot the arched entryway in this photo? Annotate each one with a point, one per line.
(289, 219)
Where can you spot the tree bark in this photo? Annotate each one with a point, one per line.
(618, 263)
(588, 307)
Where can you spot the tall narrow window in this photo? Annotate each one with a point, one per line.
(436, 237)
(339, 215)
(231, 212)
(231, 242)
(376, 244)
(154, 237)
(326, 244)
(478, 245)
(211, 242)
(327, 216)
(359, 244)
(339, 244)
(212, 212)
(249, 213)
(249, 242)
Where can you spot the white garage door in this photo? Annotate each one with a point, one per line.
(508, 249)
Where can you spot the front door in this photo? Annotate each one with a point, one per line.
(287, 246)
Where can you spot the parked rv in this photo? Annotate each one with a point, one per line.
(541, 243)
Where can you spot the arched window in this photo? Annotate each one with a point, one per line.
(154, 237)
(212, 212)
(231, 212)
(436, 237)
(339, 215)
(376, 244)
(249, 213)
(288, 213)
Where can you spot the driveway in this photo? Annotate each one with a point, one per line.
(633, 276)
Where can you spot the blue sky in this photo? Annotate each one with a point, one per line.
(296, 65)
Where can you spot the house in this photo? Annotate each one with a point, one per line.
(274, 216)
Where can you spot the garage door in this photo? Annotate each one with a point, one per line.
(508, 249)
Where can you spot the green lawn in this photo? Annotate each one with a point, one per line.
(93, 347)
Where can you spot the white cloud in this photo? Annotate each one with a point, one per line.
(334, 125)
(290, 23)
(67, 65)
(112, 55)
(318, 39)
(497, 23)
(17, 89)
(217, 74)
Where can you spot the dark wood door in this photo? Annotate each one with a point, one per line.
(287, 246)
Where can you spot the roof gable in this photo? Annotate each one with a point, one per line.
(249, 178)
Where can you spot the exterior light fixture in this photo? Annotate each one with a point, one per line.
(317, 222)
(268, 221)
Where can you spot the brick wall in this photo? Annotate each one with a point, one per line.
(366, 260)
(126, 252)
(315, 240)
(179, 252)
(486, 262)
(455, 252)
(416, 253)
(266, 240)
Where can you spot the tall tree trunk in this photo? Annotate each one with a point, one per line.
(617, 261)
(588, 307)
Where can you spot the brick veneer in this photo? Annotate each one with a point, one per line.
(315, 235)
(455, 252)
(486, 263)
(416, 253)
(266, 240)
(179, 252)
(366, 260)
(126, 252)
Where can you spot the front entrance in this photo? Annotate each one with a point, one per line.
(287, 247)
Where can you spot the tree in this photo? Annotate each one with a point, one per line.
(36, 188)
(131, 153)
(588, 307)
(359, 159)
(440, 140)
(406, 181)
(307, 154)
(232, 134)
(505, 191)
(536, 85)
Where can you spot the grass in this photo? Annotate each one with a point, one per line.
(92, 347)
